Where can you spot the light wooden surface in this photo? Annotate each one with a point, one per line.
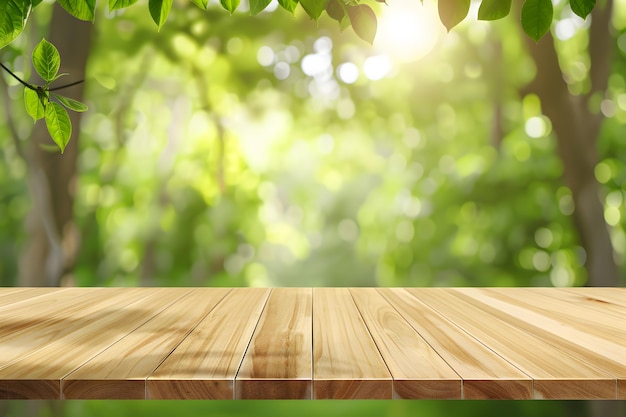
(321, 343)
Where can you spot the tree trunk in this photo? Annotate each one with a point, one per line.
(576, 129)
(52, 234)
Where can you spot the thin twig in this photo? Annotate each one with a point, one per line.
(24, 83)
(66, 85)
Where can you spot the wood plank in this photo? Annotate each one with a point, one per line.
(38, 375)
(485, 374)
(418, 371)
(278, 362)
(604, 295)
(205, 364)
(18, 294)
(593, 343)
(583, 302)
(347, 364)
(556, 373)
(260, 343)
(32, 324)
(558, 315)
(120, 371)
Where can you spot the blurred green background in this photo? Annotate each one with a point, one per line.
(276, 151)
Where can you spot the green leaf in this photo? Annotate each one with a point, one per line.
(257, 6)
(71, 104)
(46, 60)
(120, 4)
(13, 15)
(494, 9)
(159, 10)
(203, 4)
(59, 124)
(582, 7)
(314, 8)
(537, 18)
(363, 22)
(452, 12)
(80, 9)
(335, 10)
(34, 105)
(289, 5)
(230, 5)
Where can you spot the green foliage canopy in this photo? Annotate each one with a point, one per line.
(536, 18)
(536, 14)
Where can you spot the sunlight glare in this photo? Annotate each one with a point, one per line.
(408, 30)
(377, 67)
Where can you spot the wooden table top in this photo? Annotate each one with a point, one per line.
(344, 343)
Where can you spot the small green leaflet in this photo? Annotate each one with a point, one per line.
(314, 8)
(159, 10)
(203, 4)
(34, 106)
(363, 22)
(36, 3)
(46, 60)
(582, 7)
(537, 18)
(13, 15)
(289, 5)
(120, 4)
(59, 124)
(452, 12)
(70, 103)
(230, 5)
(257, 6)
(494, 9)
(80, 9)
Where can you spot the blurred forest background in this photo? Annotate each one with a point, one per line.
(274, 151)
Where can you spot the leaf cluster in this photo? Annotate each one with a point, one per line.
(536, 18)
(39, 99)
(536, 15)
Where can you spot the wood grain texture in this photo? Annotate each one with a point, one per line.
(417, 369)
(205, 364)
(485, 374)
(588, 339)
(38, 375)
(15, 295)
(347, 364)
(140, 352)
(615, 296)
(278, 362)
(598, 330)
(203, 343)
(556, 373)
(28, 326)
